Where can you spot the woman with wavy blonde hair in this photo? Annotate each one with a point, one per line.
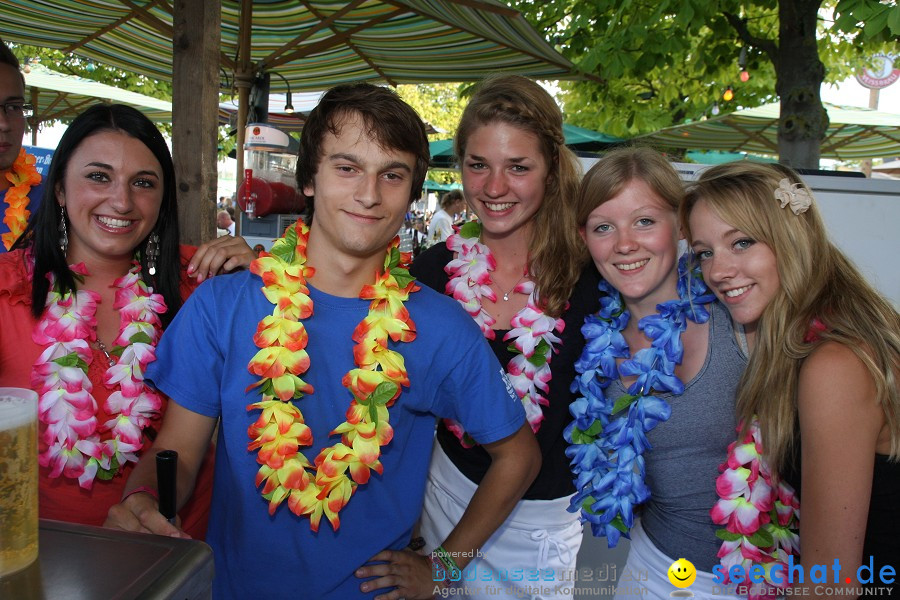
(520, 273)
(824, 360)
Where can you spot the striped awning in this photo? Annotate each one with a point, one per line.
(853, 133)
(313, 44)
(58, 96)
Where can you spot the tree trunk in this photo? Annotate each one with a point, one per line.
(195, 100)
(799, 74)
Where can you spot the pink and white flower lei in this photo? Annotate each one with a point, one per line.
(531, 330)
(761, 517)
(71, 443)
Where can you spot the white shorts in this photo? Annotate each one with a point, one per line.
(531, 555)
(646, 574)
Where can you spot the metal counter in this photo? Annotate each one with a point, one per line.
(79, 562)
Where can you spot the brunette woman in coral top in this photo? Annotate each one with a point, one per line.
(85, 294)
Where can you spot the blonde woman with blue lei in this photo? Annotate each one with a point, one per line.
(656, 380)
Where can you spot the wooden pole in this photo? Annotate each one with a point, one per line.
(34, 117)
(243, 80)
(195, 97)
(866, 165)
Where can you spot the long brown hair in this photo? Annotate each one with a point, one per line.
(817, 282)
(556, 252)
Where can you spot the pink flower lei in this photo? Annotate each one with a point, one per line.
(531, 330)
(74, 443)
(761, 517)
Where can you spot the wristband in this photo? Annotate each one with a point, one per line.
(442, 562)
(447, 559)
(138, 490)
(439, 572)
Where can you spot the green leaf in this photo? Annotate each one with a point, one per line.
(373, 413)
(393, 259)
(71, 360)
(619, 524)
(587, 502)
(595, 429)
(537, 359)
(471, 229)
(624, 401)
(382, 393)
(761, 539)
(724, 534)
(894, 20)
(285, 247)
(107, 474)
(402, 277)
(140, 338)
(582, 437)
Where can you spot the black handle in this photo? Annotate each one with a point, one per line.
(166, 476)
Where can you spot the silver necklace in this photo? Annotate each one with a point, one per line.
(109, 358)
(507, 293)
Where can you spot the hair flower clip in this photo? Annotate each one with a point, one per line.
(794, 194)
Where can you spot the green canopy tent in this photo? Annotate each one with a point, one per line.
(853, 133)
(577, 138)
(313, 46)
(434, 186)
(57, 96)
(718, 158)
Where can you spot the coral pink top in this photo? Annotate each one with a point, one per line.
(61, 498)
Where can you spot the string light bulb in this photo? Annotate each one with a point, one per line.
(715, 108)
(745, 76)
(728, 96)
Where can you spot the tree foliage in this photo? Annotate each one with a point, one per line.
(665, 62)
(439, 104)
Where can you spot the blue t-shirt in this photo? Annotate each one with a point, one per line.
(34, 200)
(202, 365)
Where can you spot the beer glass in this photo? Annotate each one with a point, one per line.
(18, 479)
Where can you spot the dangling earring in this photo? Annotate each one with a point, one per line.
(152, 252)
(63, 234)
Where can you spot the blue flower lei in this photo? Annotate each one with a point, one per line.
(609, 437)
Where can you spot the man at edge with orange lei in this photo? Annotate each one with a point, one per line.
(20, 183)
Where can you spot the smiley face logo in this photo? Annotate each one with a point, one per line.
(682, 573)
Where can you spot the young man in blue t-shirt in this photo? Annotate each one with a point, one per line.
(362, 161)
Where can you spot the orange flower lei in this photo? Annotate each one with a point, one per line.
(22, 176)
(375, 383)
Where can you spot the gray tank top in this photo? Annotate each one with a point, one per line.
(688, 448)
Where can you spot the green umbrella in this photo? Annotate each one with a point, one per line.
(58, 96)
(577, 138)
(313, 45)
(853, 133)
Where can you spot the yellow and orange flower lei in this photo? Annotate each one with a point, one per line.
(375, 383)
(22, 176)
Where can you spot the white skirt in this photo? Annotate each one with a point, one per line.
(531, 555)
(646, 575)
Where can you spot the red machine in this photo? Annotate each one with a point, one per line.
(269, 185)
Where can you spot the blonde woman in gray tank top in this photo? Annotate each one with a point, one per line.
(627, 216)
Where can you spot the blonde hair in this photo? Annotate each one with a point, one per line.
(556, 252)
(606, 179)
(817, 282)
